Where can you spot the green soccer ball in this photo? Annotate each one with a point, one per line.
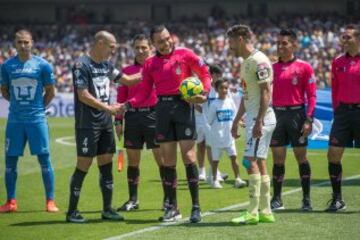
(190, 87)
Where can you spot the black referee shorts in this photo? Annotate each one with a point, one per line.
(345, 130)
(289, 123)
(140, 126)
(94, 142)
(175, 120)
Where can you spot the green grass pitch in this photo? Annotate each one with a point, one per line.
(32, 222)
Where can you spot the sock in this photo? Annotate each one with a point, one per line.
(47, 175)
(254, 193)
(171, 184)
(265, 207)
(192, 176)
(162, 176)
(106, 185)
(278, 179)
(133, 181)
(305, 177)
(75, 188)
(335, 173)
(11, 176)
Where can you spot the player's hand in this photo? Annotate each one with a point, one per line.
(196, 99)
(115, 108)
(234, 130)
(257, 129)
(306, 129)
(119, 131)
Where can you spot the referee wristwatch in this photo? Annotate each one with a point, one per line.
(310, 119)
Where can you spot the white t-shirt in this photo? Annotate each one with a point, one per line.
(256, 69)
(220, 118)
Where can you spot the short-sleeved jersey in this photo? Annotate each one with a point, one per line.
(220, 117)
(255, 69)
(345, 80)
(26, 82)
(292, 82)
(95, 77)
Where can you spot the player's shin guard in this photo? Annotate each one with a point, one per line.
(106, 185)
(265, 207)
(278, 179)
(47, 175)
(133, 174)
(254, 193)
(11, 176)
(192, 175)
(75, 188)
(305, 176)
(171, 184)
(335, 173)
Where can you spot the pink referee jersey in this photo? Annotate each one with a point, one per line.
(292, 82)
(125, 93)
(345, 80)
(167, 72)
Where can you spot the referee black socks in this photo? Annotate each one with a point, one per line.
(75, 188)
(278, 179)
(192, 175)
(305, 177)
(133, 174)
(106, 185)
(171, 184)
(335, 173)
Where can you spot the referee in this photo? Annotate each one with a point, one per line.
(293, 86)
(345, 131)
(175, 120)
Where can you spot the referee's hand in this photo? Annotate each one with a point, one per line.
(196, 99)
(119, 131)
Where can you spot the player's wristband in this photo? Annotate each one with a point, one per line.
(118, 122)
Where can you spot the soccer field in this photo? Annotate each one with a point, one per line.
(219, 205)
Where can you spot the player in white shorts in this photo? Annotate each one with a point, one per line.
(220, 116)
(256, 77)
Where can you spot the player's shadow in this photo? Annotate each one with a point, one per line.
(55, 222)
(295, 182)
(207, 224)
(141, 221)
(316, 211)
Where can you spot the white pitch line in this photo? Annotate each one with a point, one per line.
(160, 226)
(64, 141)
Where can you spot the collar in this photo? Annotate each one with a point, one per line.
(291, 61)
(158, 54)
(347, 55)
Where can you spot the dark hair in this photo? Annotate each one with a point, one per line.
(288, 33)
(354, 27)
(219, 82)
(156, 29)
(240, 30)
(215, 69)
(140, 37)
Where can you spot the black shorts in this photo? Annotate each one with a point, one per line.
(140, 126)
(289, 123)
(91, 142)
(175, 120)
(345, 130)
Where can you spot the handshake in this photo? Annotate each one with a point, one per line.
(117, 108)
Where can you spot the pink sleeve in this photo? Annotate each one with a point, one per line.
(334, 86)
(145, 86)
(310, 88)
(199, 67)
(122, 94)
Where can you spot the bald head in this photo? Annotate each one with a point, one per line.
(104, 36)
